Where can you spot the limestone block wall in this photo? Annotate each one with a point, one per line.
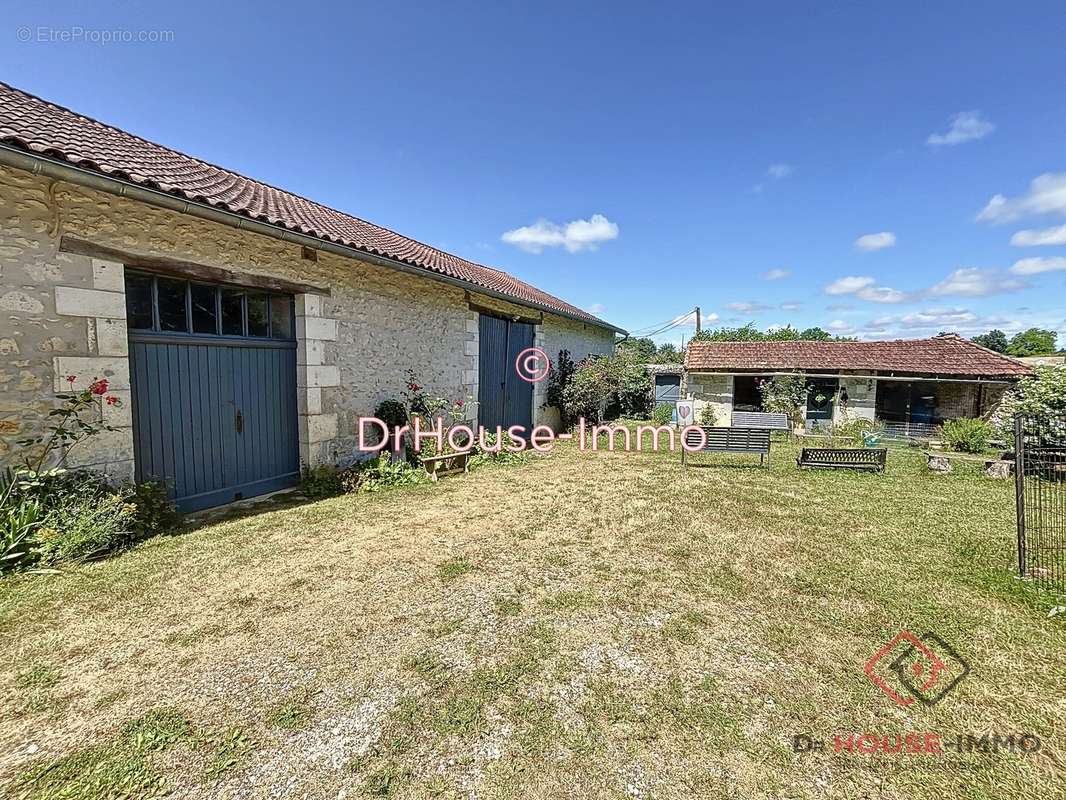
(713, 390)
(862, 399)
(581, 340)
(62, 313)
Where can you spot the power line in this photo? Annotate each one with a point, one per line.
(662, 326)
(673, 324)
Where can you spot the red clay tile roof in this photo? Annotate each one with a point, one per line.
(34, 125)
(949, 354)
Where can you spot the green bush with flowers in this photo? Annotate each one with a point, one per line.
(50, 515)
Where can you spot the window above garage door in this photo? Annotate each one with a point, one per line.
(164, 304)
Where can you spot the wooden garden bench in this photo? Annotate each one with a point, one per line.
(729, 440)
(762, 419)
(447, 464)
(861, 458)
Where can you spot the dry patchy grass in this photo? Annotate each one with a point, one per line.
(582, 625)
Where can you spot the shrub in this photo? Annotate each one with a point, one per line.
(493, 454)
(393, 413)
(708, 416)
(19, 519)
(858, 429)
(606, 387)
(785, 394)
(634, 391)
(587, 393)
(379, 473)
(1042, 400)
(61, 516)
(967, 435)
(323, 480)
(155, 512)
(663, 413)
(85, 531)
(562, 371)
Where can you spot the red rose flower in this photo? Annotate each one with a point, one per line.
(459, 403)
(71, 378)
(111, 400)
(99, 387)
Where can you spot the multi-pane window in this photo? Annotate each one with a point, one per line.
(173, 305)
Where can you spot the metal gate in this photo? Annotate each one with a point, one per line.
(213, 379)
(1040, 496)
(504, 398)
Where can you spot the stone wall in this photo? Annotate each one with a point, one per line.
(65, 314)
(862, 399)
(713, 390)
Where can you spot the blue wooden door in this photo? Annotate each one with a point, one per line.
(214, 413)
(504, 398)
(214, 422)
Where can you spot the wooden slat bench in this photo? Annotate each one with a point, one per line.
(447, 464)
(861, 458)
(762, 419)
(729, 440)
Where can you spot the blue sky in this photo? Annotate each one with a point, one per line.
(731, 156)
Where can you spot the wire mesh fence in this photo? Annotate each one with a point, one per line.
(1040, 494)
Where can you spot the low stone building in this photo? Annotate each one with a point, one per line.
(913, 383)
(246, 329)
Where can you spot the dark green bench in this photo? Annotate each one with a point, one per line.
(860, 458)
(727, 440)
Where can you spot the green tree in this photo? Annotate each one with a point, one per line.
(995, 339)
(749, 333)
(1042, 400)
(668, 354)
(1033, 342)
(642, 349)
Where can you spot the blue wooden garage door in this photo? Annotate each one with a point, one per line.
(504, 398)
(214, 414)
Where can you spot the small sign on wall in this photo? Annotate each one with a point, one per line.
(684, 412)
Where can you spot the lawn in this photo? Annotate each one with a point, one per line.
(580, 625)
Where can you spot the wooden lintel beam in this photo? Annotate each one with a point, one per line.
(186, 269)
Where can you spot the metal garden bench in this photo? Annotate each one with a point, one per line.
(861, 458)
(728, 440)
(762, 419)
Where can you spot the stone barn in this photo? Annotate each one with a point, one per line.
(245, 328)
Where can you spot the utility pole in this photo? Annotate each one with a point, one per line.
(697, 319)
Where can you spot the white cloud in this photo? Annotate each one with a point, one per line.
(929, 318)
(840, 327)
(791, 306)
(596, 308)
(581, 234)
(930, 321)
(876, 241)
(1047, 195)
(881, 294)
(776, 274)
(862, 287)
(779, 170)
(1036, 238)
(849, 285)
(747, 308)
(1034, 266)
(966, 126)
(974, 282)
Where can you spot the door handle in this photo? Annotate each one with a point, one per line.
(240, 421)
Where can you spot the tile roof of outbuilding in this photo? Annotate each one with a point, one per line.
(947, 354)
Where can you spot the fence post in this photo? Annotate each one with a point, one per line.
(1019, 488)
